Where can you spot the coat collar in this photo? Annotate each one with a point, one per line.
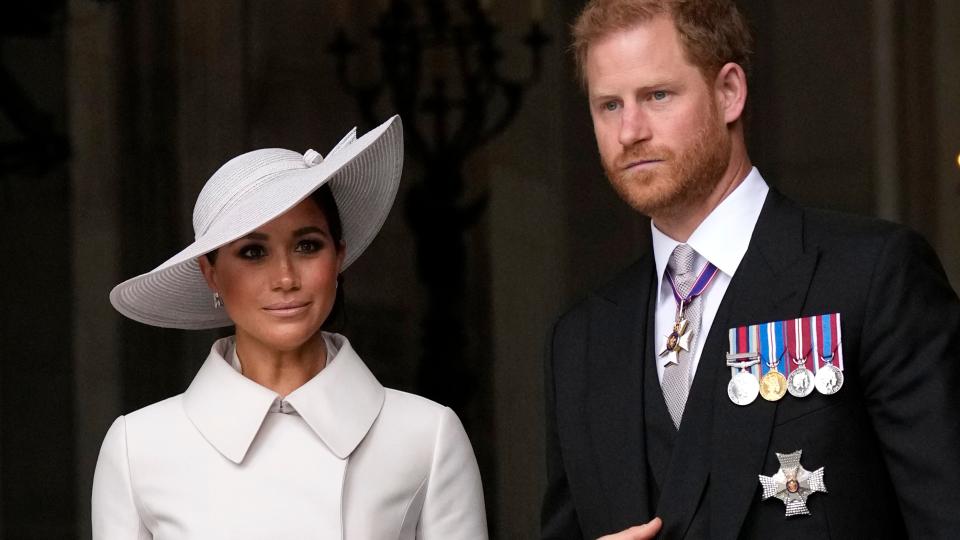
(339, 404)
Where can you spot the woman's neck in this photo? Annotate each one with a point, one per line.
(281, 371)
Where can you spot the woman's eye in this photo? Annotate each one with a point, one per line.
(308, 246)
(611, 106)
(252, 252)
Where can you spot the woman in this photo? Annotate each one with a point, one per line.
(284, 433)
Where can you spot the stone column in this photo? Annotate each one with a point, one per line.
(93, 94)
(948, 128)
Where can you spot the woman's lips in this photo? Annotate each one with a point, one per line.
(286, 309)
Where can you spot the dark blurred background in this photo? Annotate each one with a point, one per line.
(114, 113)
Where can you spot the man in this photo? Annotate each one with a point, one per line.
(654, 426)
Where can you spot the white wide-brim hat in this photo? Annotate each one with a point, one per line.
(249, 191)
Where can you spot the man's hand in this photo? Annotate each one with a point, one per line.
(640, 532)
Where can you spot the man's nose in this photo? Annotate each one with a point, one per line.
(634, 126)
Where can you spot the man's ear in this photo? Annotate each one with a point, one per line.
(730, 89)
(209, 272)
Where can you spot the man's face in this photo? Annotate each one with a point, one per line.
(663, 143)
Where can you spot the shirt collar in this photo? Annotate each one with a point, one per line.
(723, 237)
(339, 404)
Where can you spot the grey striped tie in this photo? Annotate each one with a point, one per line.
(676, 377)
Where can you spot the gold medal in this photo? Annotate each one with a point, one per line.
(773, 386)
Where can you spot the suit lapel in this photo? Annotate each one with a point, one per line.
(771, 284)
(690, 465)
(614, 401)
(718, 440)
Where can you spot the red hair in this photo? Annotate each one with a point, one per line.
(713, 32)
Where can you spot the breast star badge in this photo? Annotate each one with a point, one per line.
(678, 340)
(792, 484)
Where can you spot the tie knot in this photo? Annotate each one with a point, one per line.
(682, 260)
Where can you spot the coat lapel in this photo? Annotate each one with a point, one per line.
(614, 403)
(719, 441)
(770, 285)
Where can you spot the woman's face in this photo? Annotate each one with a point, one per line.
(278, 283)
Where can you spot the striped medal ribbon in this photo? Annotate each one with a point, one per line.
(826, 332)
(773, 384)
(744, 362)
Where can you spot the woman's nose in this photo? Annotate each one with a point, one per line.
(285, 276)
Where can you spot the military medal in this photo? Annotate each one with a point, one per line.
(773, 385)
(681, 338)
(743, 359)
(743, 387)
(829, 378)
(800, 382)
(793, 484)
(678, 340)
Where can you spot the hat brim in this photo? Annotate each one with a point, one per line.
(364, 177)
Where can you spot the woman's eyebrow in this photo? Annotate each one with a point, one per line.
(257, 236)
(309, 229)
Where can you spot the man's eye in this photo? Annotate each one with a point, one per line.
(308, 246)
(659, 95)
(252, 252)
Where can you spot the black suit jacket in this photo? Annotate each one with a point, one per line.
(889, 441)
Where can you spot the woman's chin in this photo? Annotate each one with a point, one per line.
(286, 337)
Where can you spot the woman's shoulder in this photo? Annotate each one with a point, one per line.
(157, 421)
(409, 416)
(412, 402)
(414, 408)
(161, 410)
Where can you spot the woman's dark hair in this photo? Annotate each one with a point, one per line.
(323, 197)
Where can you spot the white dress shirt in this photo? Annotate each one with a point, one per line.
(341, 457)
(722, 239)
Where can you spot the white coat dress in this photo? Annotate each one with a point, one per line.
(341, 457)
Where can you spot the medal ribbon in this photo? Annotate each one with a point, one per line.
(827, 328)
(743, 340)
(703, 281)
(766, 349)
(838, 347)
(772, 346)
(792, 346)
(805, 345)
(781, 346)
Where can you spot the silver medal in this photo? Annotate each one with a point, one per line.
(800, 383)
(829, 379)
(743, 388)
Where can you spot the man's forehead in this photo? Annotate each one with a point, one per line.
(649, 49)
